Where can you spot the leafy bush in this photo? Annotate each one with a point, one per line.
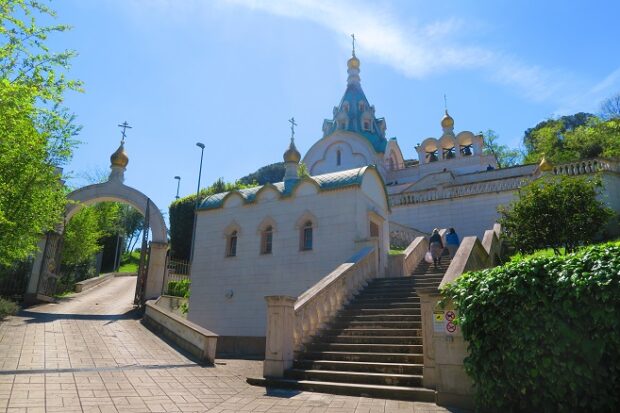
(543, 333)
(7, 307)
(179, 288)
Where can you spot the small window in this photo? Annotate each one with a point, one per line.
(306, 236)
(361, 106)
(338, 157)
(345, 107)
(366, 125)
(374, 229)
(341, 124)
(231, 250)
(267, 240)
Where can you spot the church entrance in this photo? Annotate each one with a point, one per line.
(152, 265)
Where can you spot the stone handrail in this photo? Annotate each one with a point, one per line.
(474, 255)
(321, 302)
(586, 167)
(402, 236)
(414, 254)
(293, 322)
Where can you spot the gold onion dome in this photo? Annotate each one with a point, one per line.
(120, 158)
(292, 154)
(545, 165)
(447, 121)
(353, 63)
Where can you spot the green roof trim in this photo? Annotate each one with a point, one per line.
(325, 182)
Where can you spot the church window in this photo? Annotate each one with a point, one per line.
(231, 248)
(306, 236)
(366, 124)
(338, 157)
(374, 229)
(345, 107)
(267, 240)
(341, 124)
(361, 106)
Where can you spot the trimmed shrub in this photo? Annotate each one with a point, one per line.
(7, 307)
(544, 333)
(179, 288)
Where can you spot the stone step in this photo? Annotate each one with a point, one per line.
(370, 339)
(376, 324)
(406, 358)
(386, 379)
(381, 311)
(383, 332)
(379, 317)
(392, 368)
(378, 299)
(359, 348)
(378, 305)
(351, 389)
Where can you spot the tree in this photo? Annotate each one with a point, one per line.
(36, 132)
(610, 108)
(82, 237)
(32, 197)
(504, 156)
(271, 173)
(555, 212)
(547, 138)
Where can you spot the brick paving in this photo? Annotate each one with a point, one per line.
(86, 355)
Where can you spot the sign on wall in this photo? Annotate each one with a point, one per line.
(443, 321)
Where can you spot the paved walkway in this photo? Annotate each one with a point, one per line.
(89, 353)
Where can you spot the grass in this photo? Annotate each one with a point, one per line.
(396, 250)
(130, 262)
(7, 307)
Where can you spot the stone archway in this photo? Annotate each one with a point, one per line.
(116, 191)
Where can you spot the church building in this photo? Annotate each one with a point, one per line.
(281, 239)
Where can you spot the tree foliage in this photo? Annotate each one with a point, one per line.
(555, 212)
(32, 197)
(271, 173)
(504, 156)
(610, 108)
(182, 217)
(36, 132)
(82, 237)
(543, 333)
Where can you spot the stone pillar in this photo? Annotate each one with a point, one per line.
(156, 271)
(280, 335)
(444, 352)
(35, 272)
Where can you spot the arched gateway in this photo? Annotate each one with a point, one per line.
(152, 273)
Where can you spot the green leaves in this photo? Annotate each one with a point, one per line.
(544, 333)
(558, 212)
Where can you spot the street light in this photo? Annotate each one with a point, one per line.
(178, 178)
(202, 151)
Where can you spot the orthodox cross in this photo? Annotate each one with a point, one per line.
(445, 102)
(293, 124)
(353, 41)
(125, 126)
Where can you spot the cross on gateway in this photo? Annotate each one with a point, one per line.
(353, 37)
(125, 126)
(293, 124)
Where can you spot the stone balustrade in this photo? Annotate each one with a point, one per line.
(586, 167)
(292, 322)
(403, 236)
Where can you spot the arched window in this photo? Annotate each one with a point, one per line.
(266, 244)
(338, 157)
(231, 245)
(306, 236)
(366, 124)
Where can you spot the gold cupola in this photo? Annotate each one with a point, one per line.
(119, 157)
(447, 122)
(292, 154)
(545, 165)
(353, 63)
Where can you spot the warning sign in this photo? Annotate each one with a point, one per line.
(438, 321)
(443, 321)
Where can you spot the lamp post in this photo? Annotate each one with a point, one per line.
(178, 178)
(191, 254)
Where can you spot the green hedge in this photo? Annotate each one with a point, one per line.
(179, 288)
(7, 307)
(544, 333)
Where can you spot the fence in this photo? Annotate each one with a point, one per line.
(178, 270)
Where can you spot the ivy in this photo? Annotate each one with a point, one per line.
(544, 333)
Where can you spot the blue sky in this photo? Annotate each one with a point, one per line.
(230, 74)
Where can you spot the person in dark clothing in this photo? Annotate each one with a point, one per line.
(435, 246)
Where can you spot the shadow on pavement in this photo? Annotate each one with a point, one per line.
(31, 317)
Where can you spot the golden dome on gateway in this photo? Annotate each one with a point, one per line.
(119, 157)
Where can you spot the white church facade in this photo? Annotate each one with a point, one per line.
(281, 239)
